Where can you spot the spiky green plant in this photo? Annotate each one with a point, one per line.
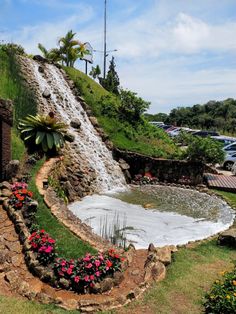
(43, 134)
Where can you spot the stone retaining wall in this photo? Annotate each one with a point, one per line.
(6, 122)
(166, 170)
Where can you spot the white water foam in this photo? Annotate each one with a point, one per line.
(149, 226)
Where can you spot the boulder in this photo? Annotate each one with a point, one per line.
(106, 284)
(5, 185)
(39, 58)
(228, 238)
(69, 137)
(123, 164)
(94, 121)
(41, 69)
(6, 193)
(46, 93)
(76, 124)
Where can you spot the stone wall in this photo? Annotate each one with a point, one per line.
(171, 171)
(6, 122)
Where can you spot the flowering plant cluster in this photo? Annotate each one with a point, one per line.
(20, 195)
(18, 186)
(140, 179)
(222, 297)
(83, 273)
(43, 245)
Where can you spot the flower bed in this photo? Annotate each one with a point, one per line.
(222, 297)
(82, 275)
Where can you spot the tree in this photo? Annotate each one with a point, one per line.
(111, 83)
(68, 52)
(131, 107)
(95, 72)
(53, 54)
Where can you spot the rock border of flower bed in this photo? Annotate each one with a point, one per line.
(154, 267)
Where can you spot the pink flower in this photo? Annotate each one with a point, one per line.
(86, 278)
(69, 271)
(92, 277)
(63, 263)
(72, 266)
(97, 263)
(76, 279)
(101, 257)
(63, 269)
(97, 273)
(49, 249)
(90, 265)
(87, 258)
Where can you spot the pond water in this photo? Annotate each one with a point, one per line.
(172, 215)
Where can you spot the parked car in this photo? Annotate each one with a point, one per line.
(230, 149)
(157, 123)
(229, 162)
(205, 133)
(225, 140)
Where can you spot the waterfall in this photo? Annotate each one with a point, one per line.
(88, 146)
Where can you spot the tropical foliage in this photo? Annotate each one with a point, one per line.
(95, 72)
(69, 50)
(42, 133)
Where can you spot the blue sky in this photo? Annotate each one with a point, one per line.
(171, 52)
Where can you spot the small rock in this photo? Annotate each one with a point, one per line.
(228, 238)
(43, 298)
(46, 93)
(135, 272)
(71, 304)
(76, 124)
(6, 193)
(5, 185)
(106, 284)
(12, 169)
(151, 247)
(64, 283)
(94, 121)
(69, 137)
(41, 69)
(118, 278)
(164, 255)
(13, 278)
(39, 58)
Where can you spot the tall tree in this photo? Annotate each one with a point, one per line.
(111, 82)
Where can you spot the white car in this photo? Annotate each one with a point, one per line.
(229, 162)
(230, 149)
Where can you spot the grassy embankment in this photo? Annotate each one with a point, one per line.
(143, 138)
(12, 87)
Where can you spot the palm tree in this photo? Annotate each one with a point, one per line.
(53, 54)
(68, 48)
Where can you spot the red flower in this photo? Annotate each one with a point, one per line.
(108, 263)
(76, 279)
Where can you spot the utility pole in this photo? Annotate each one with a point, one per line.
(105, 38)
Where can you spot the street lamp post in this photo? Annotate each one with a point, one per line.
(105, 39)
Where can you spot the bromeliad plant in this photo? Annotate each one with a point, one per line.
(42, 244)
(42, 133)
(82, 274)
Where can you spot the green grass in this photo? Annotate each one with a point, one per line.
(17, 146)
(68, 245)
(13, 306)
(144, 138)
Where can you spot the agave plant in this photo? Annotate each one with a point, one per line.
(42, 133)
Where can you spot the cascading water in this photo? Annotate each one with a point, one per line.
(88, 144)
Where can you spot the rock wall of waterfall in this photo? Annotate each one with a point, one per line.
(90, 167)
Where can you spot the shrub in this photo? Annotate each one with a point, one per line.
(42, 133)
(204, 149)
(43, 245)
(222, 297)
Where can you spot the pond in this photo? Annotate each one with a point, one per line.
(161, 215)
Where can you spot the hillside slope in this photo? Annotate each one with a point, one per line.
(142, 138)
